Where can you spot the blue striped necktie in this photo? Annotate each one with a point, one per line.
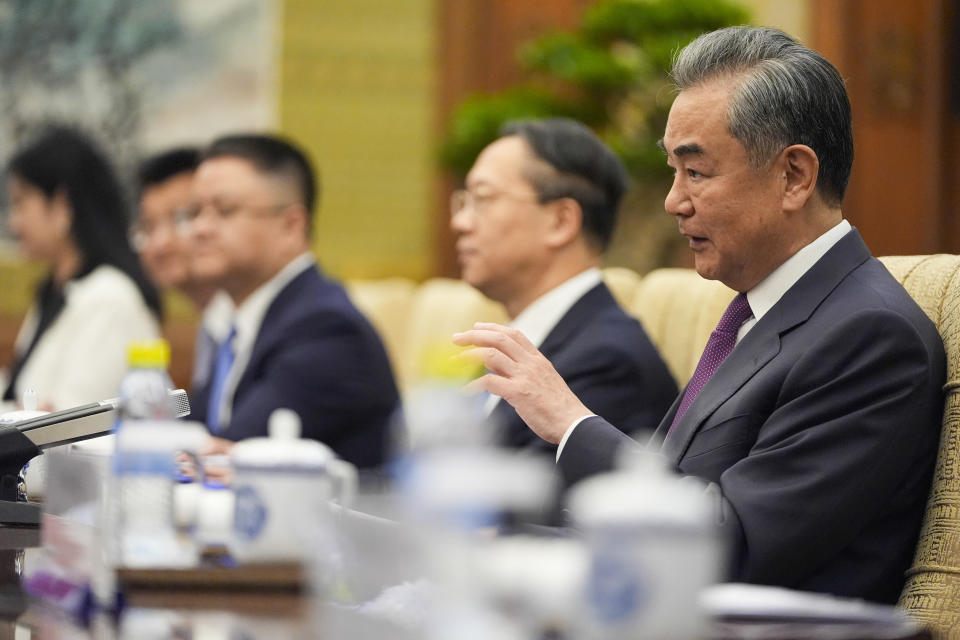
(221, 370)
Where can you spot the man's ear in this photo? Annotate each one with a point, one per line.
(800, 167)
(297, 220)
(566, 221)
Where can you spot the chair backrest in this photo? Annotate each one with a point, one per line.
(932, 592)
(623, 284)
(678, 310)
(440, 308)
(387, 304)
(418, 320)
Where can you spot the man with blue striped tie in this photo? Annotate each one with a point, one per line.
(296, 341)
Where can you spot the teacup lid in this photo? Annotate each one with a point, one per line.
(642, 490)
(284, 447)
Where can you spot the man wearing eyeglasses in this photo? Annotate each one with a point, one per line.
(158, 235)
(538, 211)
(295, 341)
(165, 182)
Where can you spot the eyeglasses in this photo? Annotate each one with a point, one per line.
(463, 199)
(222, 212)
(144, 230)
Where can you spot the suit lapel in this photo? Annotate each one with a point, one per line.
(575, 319)
(276, 314)
(559, 338)
(756, 349)
(762, 343)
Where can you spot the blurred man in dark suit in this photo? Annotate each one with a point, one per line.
(166, 182)
(160, 238)
(295, 341)
(539, 208)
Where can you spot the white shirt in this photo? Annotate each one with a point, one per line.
(218, 315)
(82, 356)
(215, 323)
(247, 320)
(542, 315)
(768, 291)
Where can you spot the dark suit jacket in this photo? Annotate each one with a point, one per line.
(820, 430)
(316, 354)
(605, 357)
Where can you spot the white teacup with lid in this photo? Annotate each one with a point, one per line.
(654, 547)
(283, 486)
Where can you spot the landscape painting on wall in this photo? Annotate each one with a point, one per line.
(139, 76)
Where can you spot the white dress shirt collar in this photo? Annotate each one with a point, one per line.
(215, 323)
(217, 316)
(768, 291)
(249, 315)
(542, 315)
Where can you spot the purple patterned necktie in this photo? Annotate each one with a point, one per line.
(719, 346)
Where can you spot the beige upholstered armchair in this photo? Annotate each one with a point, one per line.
(932, 592)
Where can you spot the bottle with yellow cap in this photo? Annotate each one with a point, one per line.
(141, 528)
(145, 389)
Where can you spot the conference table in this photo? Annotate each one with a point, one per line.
(269, 602)
(211, 602)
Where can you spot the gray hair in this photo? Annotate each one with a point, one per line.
(785, 94)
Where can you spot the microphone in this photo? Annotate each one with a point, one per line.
(84, 422)
(23, 440)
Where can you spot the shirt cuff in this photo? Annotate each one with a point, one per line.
(570, 429)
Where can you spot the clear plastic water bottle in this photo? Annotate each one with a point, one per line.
(145, 389)
(145, 466)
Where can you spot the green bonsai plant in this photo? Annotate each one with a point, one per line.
(612, 73)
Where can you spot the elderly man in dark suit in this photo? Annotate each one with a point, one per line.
(814, 412)
(537, 213)
(296, 340)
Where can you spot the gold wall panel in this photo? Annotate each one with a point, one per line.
(356, 88)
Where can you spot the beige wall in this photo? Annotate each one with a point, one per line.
(792, 16)
(356, 88)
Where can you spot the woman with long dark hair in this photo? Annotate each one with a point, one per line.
(67, 212)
